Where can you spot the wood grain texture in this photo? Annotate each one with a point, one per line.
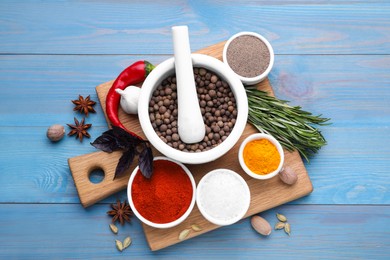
(106, 27)
(66, 231)
(332, 57)
(349, 170)
(336, 86)
(44, 86)
(264, 194)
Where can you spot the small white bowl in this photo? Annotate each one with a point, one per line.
(162, 225)
(259, 78)
(162, 71)
(214, 197)
(258, 137)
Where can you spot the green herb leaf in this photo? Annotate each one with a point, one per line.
(290, 125)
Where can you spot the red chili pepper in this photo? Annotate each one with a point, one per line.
(134, 74)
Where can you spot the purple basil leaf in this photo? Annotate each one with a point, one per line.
(145, 162)
(116, 139)
(124, 139)
(124, 163)
(106, 143)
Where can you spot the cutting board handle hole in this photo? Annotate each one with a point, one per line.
(96, 175)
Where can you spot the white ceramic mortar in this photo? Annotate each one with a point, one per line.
(166, 69)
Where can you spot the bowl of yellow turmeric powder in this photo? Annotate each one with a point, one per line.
(261, 156)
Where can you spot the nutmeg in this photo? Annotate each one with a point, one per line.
(55, 133)
(261, 225)
(288, 176)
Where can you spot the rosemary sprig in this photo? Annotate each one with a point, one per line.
(290, 125)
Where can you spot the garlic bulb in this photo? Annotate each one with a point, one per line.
(129, 99)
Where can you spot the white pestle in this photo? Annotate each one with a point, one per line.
(190, 125)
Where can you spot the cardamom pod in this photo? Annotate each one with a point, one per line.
(183, 234)
(196, 228)
(126, 242)
(281, 217)
(119, 245)
(114, 228)
(279, 225)
(287, 228)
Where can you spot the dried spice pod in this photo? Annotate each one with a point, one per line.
(287, 228)
(84, 105)
(119, 245)
(288, 176)
(79, 129)
(184, 234)
(279, 225)
(281, 217)
(114, 228)
(196, 228)
(120, 212)
(127, 242)
(261, 225)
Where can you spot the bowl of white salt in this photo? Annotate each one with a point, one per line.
(223, 197)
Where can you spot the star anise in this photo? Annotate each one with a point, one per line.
(79, 129)
(121, 212)
(84, 105)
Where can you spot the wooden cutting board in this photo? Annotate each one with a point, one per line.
(265, 194)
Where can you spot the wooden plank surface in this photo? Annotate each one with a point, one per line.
(332, 57)
(103, 27)
(67, 231)
(264, 194)
(334, 85)
(349, 170)
(357, 105)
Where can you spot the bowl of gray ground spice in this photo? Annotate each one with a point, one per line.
(222, 99)
(250, 56)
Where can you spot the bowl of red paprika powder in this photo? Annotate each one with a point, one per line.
(167, 198)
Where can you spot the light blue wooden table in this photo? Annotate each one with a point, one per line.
(332, 58)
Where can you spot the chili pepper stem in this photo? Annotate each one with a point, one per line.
(148, 68)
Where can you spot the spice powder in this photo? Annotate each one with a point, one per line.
(261, 156)
(164, 197)
(222, 195)
(248, 56)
